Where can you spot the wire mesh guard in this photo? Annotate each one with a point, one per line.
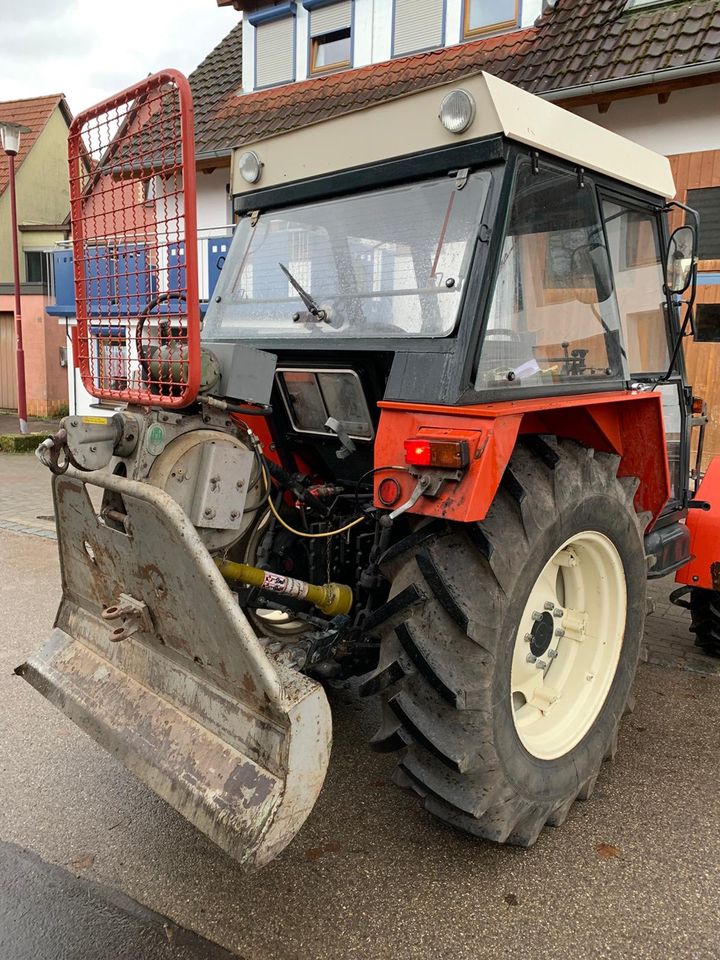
(133, 215)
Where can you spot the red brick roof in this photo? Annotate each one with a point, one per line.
(578, 43)
(33, 113)
(583, 42)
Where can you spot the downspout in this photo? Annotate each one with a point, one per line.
(636, 80)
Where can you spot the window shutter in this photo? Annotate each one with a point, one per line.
(337, 16)
(275, 52)
(418, 25)
(706, 200)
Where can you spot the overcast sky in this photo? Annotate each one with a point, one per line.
(89, 49)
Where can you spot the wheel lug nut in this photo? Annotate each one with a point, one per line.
(552, 654)
(531, 658)
(528, 638)
(540, 664)
(549, 605)
(536, 615)
(559, 632)
(557, 612)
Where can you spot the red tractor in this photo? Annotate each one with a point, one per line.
(432, 432)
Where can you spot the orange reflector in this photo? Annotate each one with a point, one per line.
(422, 452)
(699, 407)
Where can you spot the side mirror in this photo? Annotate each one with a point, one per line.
(680, 259)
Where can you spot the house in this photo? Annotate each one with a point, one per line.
(43, 207)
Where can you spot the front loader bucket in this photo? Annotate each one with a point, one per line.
(152, 657)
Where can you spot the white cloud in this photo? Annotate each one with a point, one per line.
(90, 49)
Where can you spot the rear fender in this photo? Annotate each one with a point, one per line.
(629, 424)
(704, 526)
(187, 699)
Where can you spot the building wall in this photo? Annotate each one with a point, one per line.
(43, 194)
(687, 123)
(213, 202)
(47, 392)
(692, 170)
(372, 34)
(42, 198)
(686, 129)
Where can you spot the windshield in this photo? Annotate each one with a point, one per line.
(389, 263)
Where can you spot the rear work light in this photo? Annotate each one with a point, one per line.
(423, 452)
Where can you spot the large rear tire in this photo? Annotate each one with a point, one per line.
(509, 647)
(705, 620)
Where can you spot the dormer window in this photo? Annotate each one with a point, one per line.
(330, 34)
(490, 16)
(274, 29)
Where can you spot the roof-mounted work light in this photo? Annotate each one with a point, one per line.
(250, 166)
(457, 111)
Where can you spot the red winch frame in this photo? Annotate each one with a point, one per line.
(134, 230)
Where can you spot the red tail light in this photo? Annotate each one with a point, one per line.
(425, 452)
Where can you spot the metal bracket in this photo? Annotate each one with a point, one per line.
(347, 445)
(461, 178)
(134, 615)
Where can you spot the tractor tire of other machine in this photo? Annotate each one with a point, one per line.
(510, 649)
(705, 620)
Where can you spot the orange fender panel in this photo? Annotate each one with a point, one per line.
(704, 526)
(629, 424)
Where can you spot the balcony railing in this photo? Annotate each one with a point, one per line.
(119, 274)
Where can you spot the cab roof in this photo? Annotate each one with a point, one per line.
(410, 125)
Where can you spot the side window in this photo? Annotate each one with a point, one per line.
(706, 201)
(553, 315)
(636, 257)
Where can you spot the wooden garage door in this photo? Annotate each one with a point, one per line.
(8, 382)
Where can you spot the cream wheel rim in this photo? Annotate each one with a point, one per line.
(568, 645)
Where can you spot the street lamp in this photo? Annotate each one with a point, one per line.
(10, 133)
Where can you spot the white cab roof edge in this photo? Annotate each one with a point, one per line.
(409, 124)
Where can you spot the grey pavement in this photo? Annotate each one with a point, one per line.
(633, 873)
(26, 504)
(46, 912)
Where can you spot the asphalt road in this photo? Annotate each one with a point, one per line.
(634, 873)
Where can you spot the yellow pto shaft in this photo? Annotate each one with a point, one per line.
(331, 598)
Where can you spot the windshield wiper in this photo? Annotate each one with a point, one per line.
(313, 308)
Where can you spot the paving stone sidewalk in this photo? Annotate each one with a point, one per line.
(26, 504)
(26, 507)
